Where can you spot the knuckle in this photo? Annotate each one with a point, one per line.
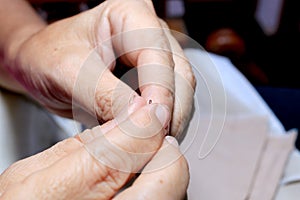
(103, 105)
(108, 171)
(61, 149)
(108, 179)
(185, 70)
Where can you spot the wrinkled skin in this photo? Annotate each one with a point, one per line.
(49, 63)
(70, 63)
(68, 170)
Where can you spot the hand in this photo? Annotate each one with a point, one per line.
(99, 162)
(70, 62)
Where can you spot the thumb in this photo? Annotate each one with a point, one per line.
(101, 167)
(166, 176)
(98, 95)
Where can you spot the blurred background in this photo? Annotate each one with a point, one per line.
(260, 37)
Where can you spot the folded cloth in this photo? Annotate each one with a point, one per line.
(245, 162)
(235, 145)
(276, 153)
(227, 171)
(290, 183)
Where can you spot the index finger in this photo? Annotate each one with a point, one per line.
(155, 65)
(149, 50)
(140, 41)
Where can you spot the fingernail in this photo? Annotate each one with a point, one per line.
(172, 141)
(163, 114)
(134, 104)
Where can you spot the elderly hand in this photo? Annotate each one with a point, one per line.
(102, 160)
(71, 62)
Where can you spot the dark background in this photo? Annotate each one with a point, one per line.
(270, 62)
(278, 55)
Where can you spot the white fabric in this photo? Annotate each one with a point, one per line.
(235, 145)
(290, 183)
(227, 171)
(271, 167)
(217, 77)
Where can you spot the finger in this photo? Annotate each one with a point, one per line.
(88, 136)
(185, 84)
(105, 96)
(98, 176)
(18, 171)
(143, 44)
(165, 177)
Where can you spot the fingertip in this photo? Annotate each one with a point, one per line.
(172, 141)
(157, 94)
(163, 114)
(135, 103)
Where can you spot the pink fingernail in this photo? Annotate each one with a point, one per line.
(172, 141)
(163, 114)
(133, 104)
